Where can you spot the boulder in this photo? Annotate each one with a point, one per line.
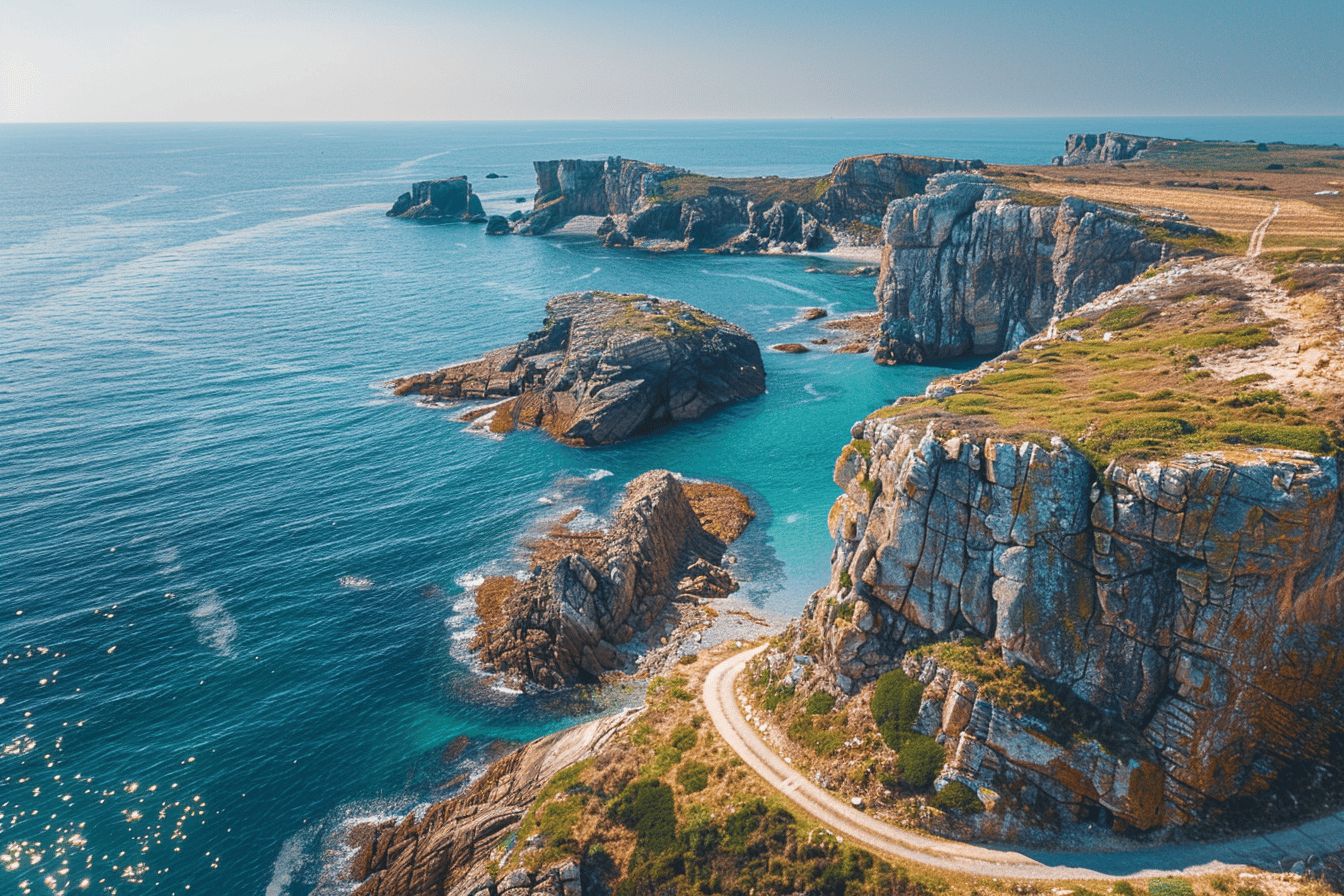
(498, 225)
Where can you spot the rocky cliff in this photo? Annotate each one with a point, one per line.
(439, 200)
(660, 207)
(605, 367)
(446, 851)
(1156, 542)
(591, 593)
(1110, 146)
(969, 269)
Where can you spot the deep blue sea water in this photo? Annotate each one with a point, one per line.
(233, 570)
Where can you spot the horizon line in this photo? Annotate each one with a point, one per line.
(698, 119)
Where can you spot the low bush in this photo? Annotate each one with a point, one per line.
(693, 776)
(921, 760)
(648, 808)
(683, 737)
(1169, 886)
(957, 797)
(895, 706)
(820, 703)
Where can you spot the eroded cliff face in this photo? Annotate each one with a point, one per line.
(446, 852)
(591, 593)
(605, 367)
(967, 269)
(661, 207)
(1109, 146)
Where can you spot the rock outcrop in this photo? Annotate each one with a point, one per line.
(446, 852)
(439, 200)
(606, 367)
(967, 269)
(591, 593)
(660, 207)
(1181, 597)
(1110, 146)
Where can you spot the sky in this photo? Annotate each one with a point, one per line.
(351, 60)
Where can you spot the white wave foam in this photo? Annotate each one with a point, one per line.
(589, 275)
(469, 580)
(769, 281)
(215, 626)
(357, 583)
(793, 518)
(288, 863)
(598, 474)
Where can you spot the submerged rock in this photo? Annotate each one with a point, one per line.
(605, 367)
(439, 200)
(590, 593)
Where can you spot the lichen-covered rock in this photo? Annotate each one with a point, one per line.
(657, 206)
(439, 200)
(448, 849)
(1196, 600)
(605, 367)
(590, 593)
(966, 269)
(1109, 146)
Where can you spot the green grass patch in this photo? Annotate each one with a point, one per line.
(693, 776)
(820, 703)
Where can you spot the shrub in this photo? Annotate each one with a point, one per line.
(895, 706)
(820, 703)
(846, 581)
(818, 738)
(957, 797)
(845, 610)
(682, 737)
(693, 776)
(775, 695)
(921, 760)
(1123, 888)
(1169, 886)
(648, 808)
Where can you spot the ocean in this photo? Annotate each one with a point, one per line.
(235, 572)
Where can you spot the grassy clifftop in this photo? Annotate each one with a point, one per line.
(1190, 360)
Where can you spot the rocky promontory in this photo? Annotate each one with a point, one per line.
(591, 593)
(1114, 558)
(1106, 147)
(665, 208)
(439, 200)
(970, 268)
(605, 367)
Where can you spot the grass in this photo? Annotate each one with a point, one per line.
(659, 317)
(1012, 688)
(1135, 387)
(799, 190)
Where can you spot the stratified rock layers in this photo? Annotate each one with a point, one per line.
(966, 269)
(591, 593)
(447, 849)
(605, 367)
(1195, 602)
(439, 200)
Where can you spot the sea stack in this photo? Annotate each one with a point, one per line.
(605, 367)
(439, 200)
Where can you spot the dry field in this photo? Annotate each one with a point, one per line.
(1229, 187)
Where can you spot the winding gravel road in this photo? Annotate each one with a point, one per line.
(1264, 851)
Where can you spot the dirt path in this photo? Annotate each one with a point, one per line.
(1257, 243)
(1261, 851)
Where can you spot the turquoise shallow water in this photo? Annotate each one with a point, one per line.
(233, 597)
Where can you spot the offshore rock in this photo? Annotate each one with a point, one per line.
(605, 367)
(448, 849)
(439, 200)
(966, 269)
(590, 593)
(665, 208)
(498, 225)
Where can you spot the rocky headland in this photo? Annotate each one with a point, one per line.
(1113, 558)
(605, 367)
(665, 208)
(439, 200)
(593, 599)
(970, 267)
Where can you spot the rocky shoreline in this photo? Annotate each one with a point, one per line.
(595, 600)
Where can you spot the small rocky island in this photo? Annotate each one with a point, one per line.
(591, 593)
(439, 200)
(604, 367)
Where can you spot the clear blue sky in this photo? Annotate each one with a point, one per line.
(156, 60)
